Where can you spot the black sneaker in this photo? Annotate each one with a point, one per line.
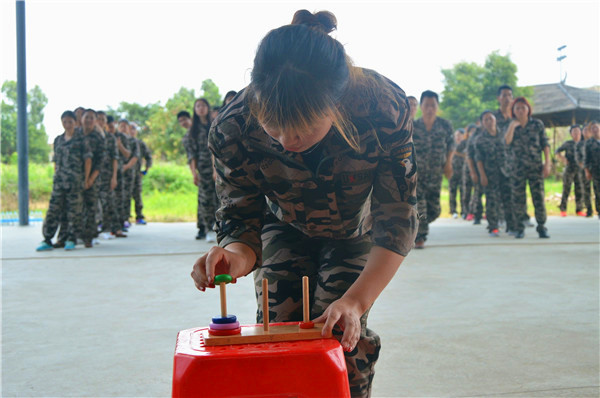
(520, 234)
(543, 234)
(200, 235)
(58, 245)
(477, 221)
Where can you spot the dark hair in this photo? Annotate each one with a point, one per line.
(483, 114)
(411, 97)
(503, 87)
(230, 94)
(124, 121)
(89, 110)
(471, 126)
(110, 119)
(574, 126)
(300, 74)
(519, 100)
(216, 108)
(195, 129)
(429, 94)
(70, 114)
(184, 114)
(100, 113)
(461, 130)
(78, 108)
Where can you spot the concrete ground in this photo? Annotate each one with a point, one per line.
(468, 316)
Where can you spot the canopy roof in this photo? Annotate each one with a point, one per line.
(561, 105)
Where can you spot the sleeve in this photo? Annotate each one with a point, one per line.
(471, 147)
(99, 151)
(394, 199)
(587, 155)
(543, 137)
(561, 148)
(135, 148)
(240, 216)
(54, 146)
(478, 151)
(450, 144)
(188, 145)
(86, 150)
(113, 149)
(147, 155)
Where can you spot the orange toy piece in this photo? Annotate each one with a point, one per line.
(307, 368)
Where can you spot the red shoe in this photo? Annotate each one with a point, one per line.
(581, 214)
(563, 213)
(470, 217)
(420, 244)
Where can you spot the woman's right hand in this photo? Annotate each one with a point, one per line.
(484, 181)
(474, 177)
(219, 261)
(196, 179)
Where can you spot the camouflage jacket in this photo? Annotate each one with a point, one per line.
(432, 147)
(569, 148)
(197, 149)
(144, 154)
(70, 157)
(501, 122)
(349, 194)
(458, 160)
(97, 145)
(111, 154)
(580, 152)
(592, 156)
(489, 150)
(125, 142)
(528, 144)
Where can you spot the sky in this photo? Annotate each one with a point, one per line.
(99, 53)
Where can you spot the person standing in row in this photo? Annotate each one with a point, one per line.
(592, 160)
(434, 146)
(125, 153)
(413, 103)
(476, 203)
(527, 139)
(199, 156)
(467, 184)
(324, 148)
(228, 98)
(97, 146)
(571, 173)
(129, 170)
(146, 156)
(455, 183)
(494, 178)
(586, 184)
(72, 164)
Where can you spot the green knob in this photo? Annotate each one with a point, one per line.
(223, 278)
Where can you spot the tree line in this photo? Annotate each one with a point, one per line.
(469, 89)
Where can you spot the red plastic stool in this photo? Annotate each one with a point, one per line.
(307, 368)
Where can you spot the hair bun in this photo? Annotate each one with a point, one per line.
(323, 20)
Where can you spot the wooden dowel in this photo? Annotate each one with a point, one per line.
(305, 302)
(265, 292)
(223, 300)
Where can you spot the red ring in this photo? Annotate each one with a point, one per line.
(230, 332)
(307, 325)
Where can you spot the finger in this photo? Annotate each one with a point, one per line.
(332, 318)
(351, 335)
(213, 257)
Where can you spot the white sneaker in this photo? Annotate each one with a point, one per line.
(454, 215)
(211, 237)
(95, 241)
(107, 236)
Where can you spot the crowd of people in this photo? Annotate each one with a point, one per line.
(98, 169)
(496, 157)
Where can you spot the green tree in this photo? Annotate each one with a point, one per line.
(210, 91)
(469, 89)
(39, 149)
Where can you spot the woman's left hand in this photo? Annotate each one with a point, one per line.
(547, 169)
(346, 313)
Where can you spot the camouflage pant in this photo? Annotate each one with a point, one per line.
(455, 185)
(587, 194)
(497, 197)
(332, 266)
(110, 216)
(536, 186)
(207, 200)
(64, 209)
(596, 181)
(466, 192)
(137, 195)
(128, 183)
(120, 198)
(90, 206)
(570, 177)
(428, 203)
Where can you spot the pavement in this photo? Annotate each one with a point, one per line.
(468, 316)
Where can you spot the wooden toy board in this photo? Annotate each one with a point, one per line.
(256, 334)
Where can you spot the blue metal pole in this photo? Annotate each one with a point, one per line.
(22, 135)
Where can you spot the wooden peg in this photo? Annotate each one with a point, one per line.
(223, 299)
(305, 301)
(265, 292)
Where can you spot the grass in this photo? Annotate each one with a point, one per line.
(170, 196)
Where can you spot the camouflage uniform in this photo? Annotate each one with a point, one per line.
(66, 199)
(592, 163)
(455, 183)
(475, 204)
(431, 149)
(97, 145)
(207, 197)
(489, 150)
(527, 146)
(586, 184)
(137, 184)
(129, 176)
(571, 175)
(319, 215)
(506, 189)
(120, 189)
(110, 215)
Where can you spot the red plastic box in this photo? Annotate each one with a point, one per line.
(308, 368)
